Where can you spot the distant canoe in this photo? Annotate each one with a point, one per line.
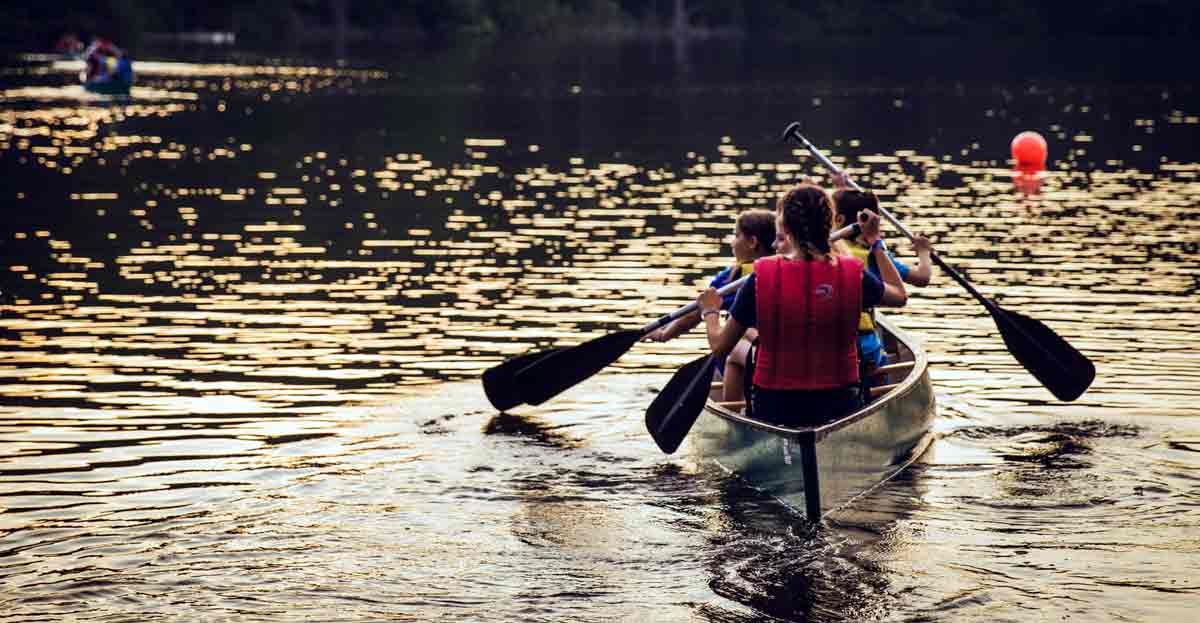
(116, 79)
(819, 471)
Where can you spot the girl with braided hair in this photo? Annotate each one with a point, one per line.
(806, 306)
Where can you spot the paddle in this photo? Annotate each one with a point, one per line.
(1061, 368)
(671, 415)
(560, 369)
(500, 383)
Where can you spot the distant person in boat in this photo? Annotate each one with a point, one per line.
(69, 45)
(753, 235)
(848, 204)
(103, 61)
(806, 306)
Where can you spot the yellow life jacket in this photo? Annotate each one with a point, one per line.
(866, 321)
(741, 270)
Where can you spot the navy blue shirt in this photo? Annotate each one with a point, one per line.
(745, 310)
(725, 277)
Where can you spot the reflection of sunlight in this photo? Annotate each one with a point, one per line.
(77, 92)
(207, 405)
(222, 70)
(949, 451)
(328, 269)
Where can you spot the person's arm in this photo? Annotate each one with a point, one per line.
(676, 328)
(683, 324)
(721, 339)
(922, 275)
(894, 294)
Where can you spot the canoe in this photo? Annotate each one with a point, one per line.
(108, 87)
(821, 470)
(116, 78)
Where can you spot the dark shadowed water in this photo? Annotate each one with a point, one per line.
(244, 313)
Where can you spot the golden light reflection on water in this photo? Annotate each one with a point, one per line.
(516, 258)
(541, 256)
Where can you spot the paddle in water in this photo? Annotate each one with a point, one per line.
(1062, 369)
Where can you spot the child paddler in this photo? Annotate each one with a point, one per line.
(753, 235)
(848, 204)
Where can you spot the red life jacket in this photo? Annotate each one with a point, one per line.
(807, 322)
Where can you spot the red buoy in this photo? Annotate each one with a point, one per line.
(1029, 150)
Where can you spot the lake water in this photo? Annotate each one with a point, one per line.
(244, 313)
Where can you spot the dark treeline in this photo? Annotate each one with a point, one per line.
(406, 21)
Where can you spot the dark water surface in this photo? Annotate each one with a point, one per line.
(244, 312)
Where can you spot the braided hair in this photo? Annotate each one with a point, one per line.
(808, 217)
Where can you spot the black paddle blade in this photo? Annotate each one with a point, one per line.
(552, 375)
(499, 382)
(1064, 371)
(675, 409)
(792, 128)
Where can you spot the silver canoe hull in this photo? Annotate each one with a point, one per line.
(821, 470)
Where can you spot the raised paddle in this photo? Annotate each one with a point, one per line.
(1061, 368)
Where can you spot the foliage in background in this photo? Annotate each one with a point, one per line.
(408, 20)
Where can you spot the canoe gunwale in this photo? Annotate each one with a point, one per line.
(815, 434)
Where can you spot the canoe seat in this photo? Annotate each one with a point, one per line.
(903, 366)
(716, 385)
(882, 389)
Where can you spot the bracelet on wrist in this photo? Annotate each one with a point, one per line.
(879, 243)
(705, 314)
